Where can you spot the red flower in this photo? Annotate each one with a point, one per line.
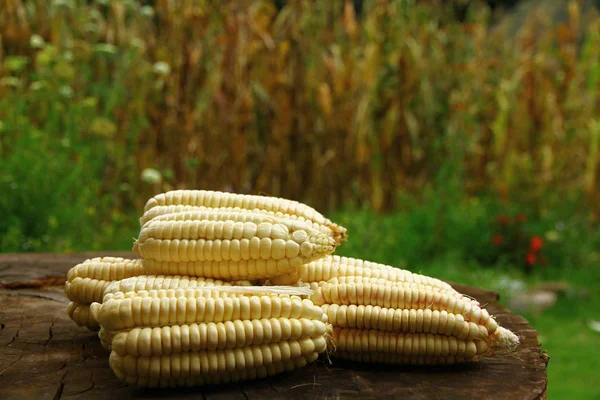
(536, 244)
(497, 240)
(530, 259)
(521, 218)
(503, 220)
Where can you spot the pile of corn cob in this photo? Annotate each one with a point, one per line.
(199, 306)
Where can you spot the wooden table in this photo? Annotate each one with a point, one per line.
(44, 355)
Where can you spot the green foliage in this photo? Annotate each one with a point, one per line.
(382, 102)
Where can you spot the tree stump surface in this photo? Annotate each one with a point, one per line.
(44, 355)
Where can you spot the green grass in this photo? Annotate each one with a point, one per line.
(405, 239)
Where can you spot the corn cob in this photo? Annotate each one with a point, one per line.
(86, 290)
(106, 268)
(385, 282)
(161, 308)
(379, 321)
(403, 320)
(214, 336)
(195, 378)
(190, 213)
(401, 298)
(156, 282)
(197, 336)
(213, 199)
(80, 314)
(206, 362)
(226, 270)
(290, 243)
(87, 281)
(329, 267)
(393, 347)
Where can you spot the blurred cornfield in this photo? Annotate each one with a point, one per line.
(103, 103)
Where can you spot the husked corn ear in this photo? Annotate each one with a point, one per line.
(196, 379)
(403, 320)
(332, 266)
(80, 314)
(155, 282)
(401, 298)
(215, 292)
(139, 311)
(181, 241)
(385, 282)
(206, 198)
(399, 346)
(226, 270)
(86, 290)
(214, 336)
(189, 213)
(158, 211)
(106, 269)
(189, 364)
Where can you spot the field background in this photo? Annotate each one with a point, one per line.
(451, 137)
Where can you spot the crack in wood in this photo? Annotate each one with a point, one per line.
(82, 356)
(49, 334)
(13, 363)
(50, 280)
(40, 296)
(15, 336)
(60, 388)
(87, 389)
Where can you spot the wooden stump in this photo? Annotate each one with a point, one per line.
(44, 355)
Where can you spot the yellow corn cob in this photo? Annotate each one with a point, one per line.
(162, 308)
(401, 298)
(86, 290)
(188, 364)
(191, 213)
(288, 243)
(329, 267)
(226, 270)
(106, 268)
(213, 199)
(394, 347)
(214, 292)
(403, 320)
(155, 282)
(214, 336)
(86, 283)
(80, 314)
(196, 336)
(212, 378)
(385, 282)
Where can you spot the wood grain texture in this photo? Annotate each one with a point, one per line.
(44, 355)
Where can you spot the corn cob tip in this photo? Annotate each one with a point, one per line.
(340, 234)
(330, 340)
(136, 247)
(505, 340)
